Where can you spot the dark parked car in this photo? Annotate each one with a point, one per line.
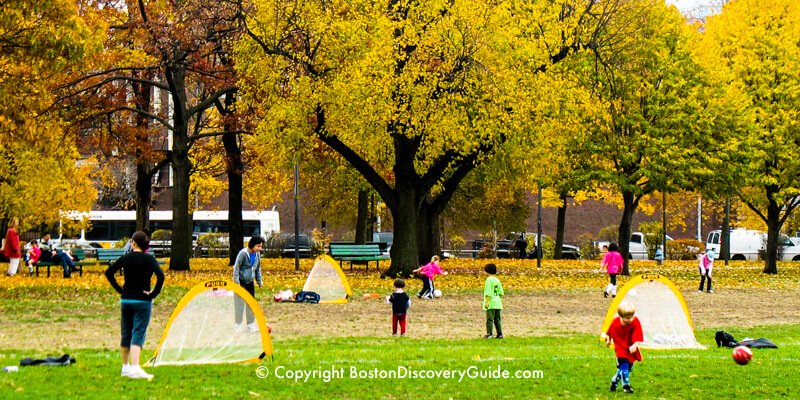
(284, 245)
(508, 248)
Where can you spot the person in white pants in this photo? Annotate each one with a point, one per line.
(11, 248)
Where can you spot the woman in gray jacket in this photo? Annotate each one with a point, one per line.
(246, 272)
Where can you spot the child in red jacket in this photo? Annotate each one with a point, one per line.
(625, 333)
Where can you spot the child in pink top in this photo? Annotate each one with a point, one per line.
(613, 263)
(427, 272)
(33, 255)
(706, 264)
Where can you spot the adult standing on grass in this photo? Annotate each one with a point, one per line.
(11, 247)
(247, 272)
(136, 303)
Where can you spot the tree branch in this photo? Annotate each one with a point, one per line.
(361, 165)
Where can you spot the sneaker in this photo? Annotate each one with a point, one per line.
(252, 327)
(627, 389)
(402, 334)
(710, 291)
(613, 387)
(499, 336)
(126, 370)
(605, 294)
(394, 334)
(136, 372)
(489, 336)
(238, 328)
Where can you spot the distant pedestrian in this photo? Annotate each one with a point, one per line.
(11, 247)
(522, 245)
(493, 302)
(706, 264)
(612, 262)
(400, 303)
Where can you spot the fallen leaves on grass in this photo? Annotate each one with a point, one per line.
(464, 274)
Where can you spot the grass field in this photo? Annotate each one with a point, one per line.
(551, 349)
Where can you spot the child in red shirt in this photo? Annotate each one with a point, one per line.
(625, 333)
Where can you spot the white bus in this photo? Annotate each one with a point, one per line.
(109, 227)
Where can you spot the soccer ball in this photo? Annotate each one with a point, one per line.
(437, 293)
(276, 297)
(742, 355)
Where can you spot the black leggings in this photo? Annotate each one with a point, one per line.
(427, 287)
(703, 278)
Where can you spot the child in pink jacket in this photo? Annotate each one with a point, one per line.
(705, 265)
(427, 272)
(613, 264)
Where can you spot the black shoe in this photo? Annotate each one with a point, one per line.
(627, 389)
(489, 336)
(613, 387)
(605, 294)
(499, 336)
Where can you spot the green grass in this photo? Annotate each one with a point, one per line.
(571, 366)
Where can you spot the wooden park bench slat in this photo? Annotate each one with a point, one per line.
(357, 252)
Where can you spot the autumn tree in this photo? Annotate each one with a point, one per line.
(414, 95)
(758, 54)
(40, 41)
(178, 50)
(655, 122)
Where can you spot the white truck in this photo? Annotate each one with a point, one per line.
(636, 246)
(747, 243)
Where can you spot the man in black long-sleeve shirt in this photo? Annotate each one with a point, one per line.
(136, 303)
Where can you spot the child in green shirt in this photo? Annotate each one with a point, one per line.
(493, 302)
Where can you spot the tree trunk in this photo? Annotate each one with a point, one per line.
(142, 100)
(428, 233)
(234, 167)
(404, 253)
(144, 189)
(628, 210)
(562, 220)
(773, 234)
(181, 249)
(362, 218)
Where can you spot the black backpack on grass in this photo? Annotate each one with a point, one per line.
(725, 339)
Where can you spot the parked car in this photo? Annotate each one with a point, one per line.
(636, 246)
(507, 248)
(384, 240)
(747, 244)
(284, 245)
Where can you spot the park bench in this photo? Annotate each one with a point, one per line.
(77, 254)
(357, 252)
(108, 256)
